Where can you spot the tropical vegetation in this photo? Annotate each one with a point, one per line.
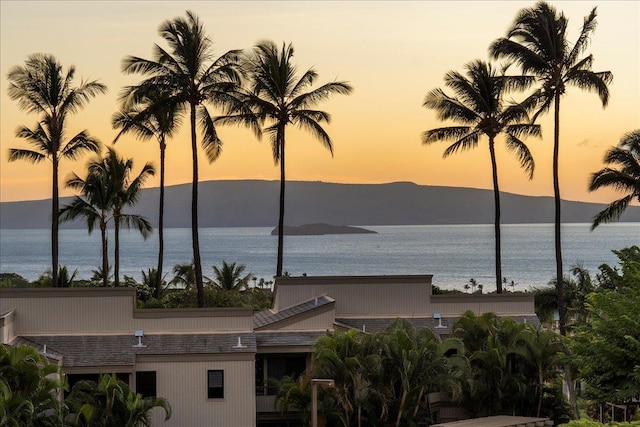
(30, 387)
(537, 42)
(481, 110)
(279, 98)
(106, 190)
(185, 76)
(626, 155)
(42, 87)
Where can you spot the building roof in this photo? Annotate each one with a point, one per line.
(121, 350)
(379, 324)
(289, 338)
(269, 317)
(496, 421)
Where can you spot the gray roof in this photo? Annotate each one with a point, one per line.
(268, 317)
(378, 324)
(495, 421)
(289, 338)
(121, 350)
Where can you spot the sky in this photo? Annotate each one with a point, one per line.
(392, 53)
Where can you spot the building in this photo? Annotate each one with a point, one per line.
(213, 365)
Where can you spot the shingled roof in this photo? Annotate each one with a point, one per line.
(269, 317)
(379, 324)
(121, 350)
(288, 338)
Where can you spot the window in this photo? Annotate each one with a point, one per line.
(146, 383)
(215, 384)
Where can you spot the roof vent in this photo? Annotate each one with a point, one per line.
(239, 345)
(438, 316)
(139, 333)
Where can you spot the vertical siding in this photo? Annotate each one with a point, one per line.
(184, 385)
(361, 299)
(322, 321)
(101, 313)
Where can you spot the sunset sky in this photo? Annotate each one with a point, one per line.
(392, 53)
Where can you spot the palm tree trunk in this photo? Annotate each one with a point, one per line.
(54, 218)
(281, 215)
(160, 222)
(197, 264)
(496, 199)
(116, 250)
(562, 312)
(105, 254)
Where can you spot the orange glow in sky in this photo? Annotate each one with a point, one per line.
(392, 53)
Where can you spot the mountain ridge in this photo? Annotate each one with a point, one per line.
(254, 203)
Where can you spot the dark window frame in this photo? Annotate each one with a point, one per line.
(147, 390)
(215, 390)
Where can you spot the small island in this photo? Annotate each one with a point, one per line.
(320, 229)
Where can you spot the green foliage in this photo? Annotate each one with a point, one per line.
(589, 423)
(513, 367)
(28, 388)
(13, 280)
(229, 277)
(110, 402)
(607, 348)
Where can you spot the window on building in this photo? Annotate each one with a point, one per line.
(279, 366)
(146, 383)
(215, 384)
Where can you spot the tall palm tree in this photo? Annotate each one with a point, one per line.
(278, 97)
(152, 118)
(627, 178)
(187, 76)
(40, 86)
(230, 278)
(104, 192)
(537, 42)
(479, 107)
(125, 191)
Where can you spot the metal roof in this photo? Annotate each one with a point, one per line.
(269, 317)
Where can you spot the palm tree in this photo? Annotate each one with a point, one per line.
(278, 96)
(153, 117)
(40, 86)
(186, 76)
(111, 402)
(105, 190)
(479, 107)
(627, 178)
(184, 275)
(537, 41)
(125, 192)
(230, 278)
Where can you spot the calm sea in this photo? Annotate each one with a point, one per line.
(452, 253)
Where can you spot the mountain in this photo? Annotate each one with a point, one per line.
(254, 203)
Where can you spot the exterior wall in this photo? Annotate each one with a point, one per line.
(89, 311)
(6, 327)
(506, 304)
(183, 382)
(359, 296)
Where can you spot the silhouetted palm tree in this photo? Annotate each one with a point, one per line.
(152, 118)
(186, 75)
(479, 107)
(184, 275)
(278, 97)
(40, 86)
(230, 278)
(537, 42)
(626, 156)
(104, 192)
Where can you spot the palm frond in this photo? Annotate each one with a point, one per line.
(467, 142)
(612, 212)
(211, 143)
(520, 149)
(445, 133)
(28, 155)
(138, 222)
(592, 82)
(309, 123)
(80, 144)
(581, 44)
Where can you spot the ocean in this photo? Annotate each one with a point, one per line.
(453, 254)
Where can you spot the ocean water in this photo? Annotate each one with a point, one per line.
(451, 253)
